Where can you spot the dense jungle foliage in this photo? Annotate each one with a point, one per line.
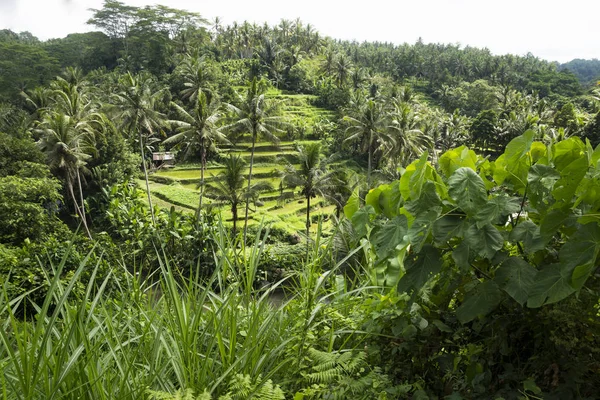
(342, 220)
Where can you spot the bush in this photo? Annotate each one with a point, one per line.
(280, 259)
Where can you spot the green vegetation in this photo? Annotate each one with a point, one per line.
(421, 221)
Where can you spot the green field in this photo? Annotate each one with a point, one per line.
(178, 186)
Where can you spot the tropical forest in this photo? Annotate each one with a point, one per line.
(193, 210)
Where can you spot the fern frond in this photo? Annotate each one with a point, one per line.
(268, 391)
(240, 387)
(187, 394)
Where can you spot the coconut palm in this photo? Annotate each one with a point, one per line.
(408, 141)
(454, 131)
(37, 101)
(71, 97)
(255, 115)
(73, 76)
(68, 146)
(328, 63)
(136, 106)
(312, 177)
(369, 126)
(358, 76)
(344, 181)
(229, 187)
(198, 131)
(196, 73)
(342, 69)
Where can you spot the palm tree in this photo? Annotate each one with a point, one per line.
(369, 126)
(328, 63)
(37, 101)
(344, 181)
(229, 187)
(341, 69)
(255, 115)
(136, 106)
(408, 140)
(358, 76)
(70, 97)
(74, 76)
(196, 72)
(68, 145)
(454, 131)
(198, 130)
(312, 177)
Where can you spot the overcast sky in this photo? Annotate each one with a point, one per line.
(550, 29)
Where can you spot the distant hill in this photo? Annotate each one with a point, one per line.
(587, 71)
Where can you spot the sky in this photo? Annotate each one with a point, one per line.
(549, 29)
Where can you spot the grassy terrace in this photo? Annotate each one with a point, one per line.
(185, 198)
(178, 186)
(185, 174)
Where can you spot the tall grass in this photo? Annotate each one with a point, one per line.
(119, 338)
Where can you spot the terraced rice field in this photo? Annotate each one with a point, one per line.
(178, 187)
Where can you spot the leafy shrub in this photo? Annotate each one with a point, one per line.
(281, 258)
(489, 255)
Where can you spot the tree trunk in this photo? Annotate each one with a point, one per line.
(146, 177)
(369, 166)
(202, 167)
(81, 197)
(77, 210)
(249, 183)
(307, 226)
(235, 216)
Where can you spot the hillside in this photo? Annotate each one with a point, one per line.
(343, 220)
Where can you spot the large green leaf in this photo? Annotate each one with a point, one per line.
(414, 177)
(362, 219)
(518, 159)
(497, 209)
(386, 237)
(518, 148)
(528, 233)
(500, 174)
(429, 199)
(385, 199)
(552, 222)
(461, 256)
(420, 269)
(484, 241)
(454, 159)
(446, 228)
(423, 172)
(551, 285)
(372, 198)
(353, 204)
(588, 191)
(421, 228)
(388, 270)
(468, 190)
(595, 156)
(578, 256)
(570, 178)
(541, 180)
(516, 276)
(481, 300)
(567, 151)
(577, 260)
(538, 151)
(390, 200)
